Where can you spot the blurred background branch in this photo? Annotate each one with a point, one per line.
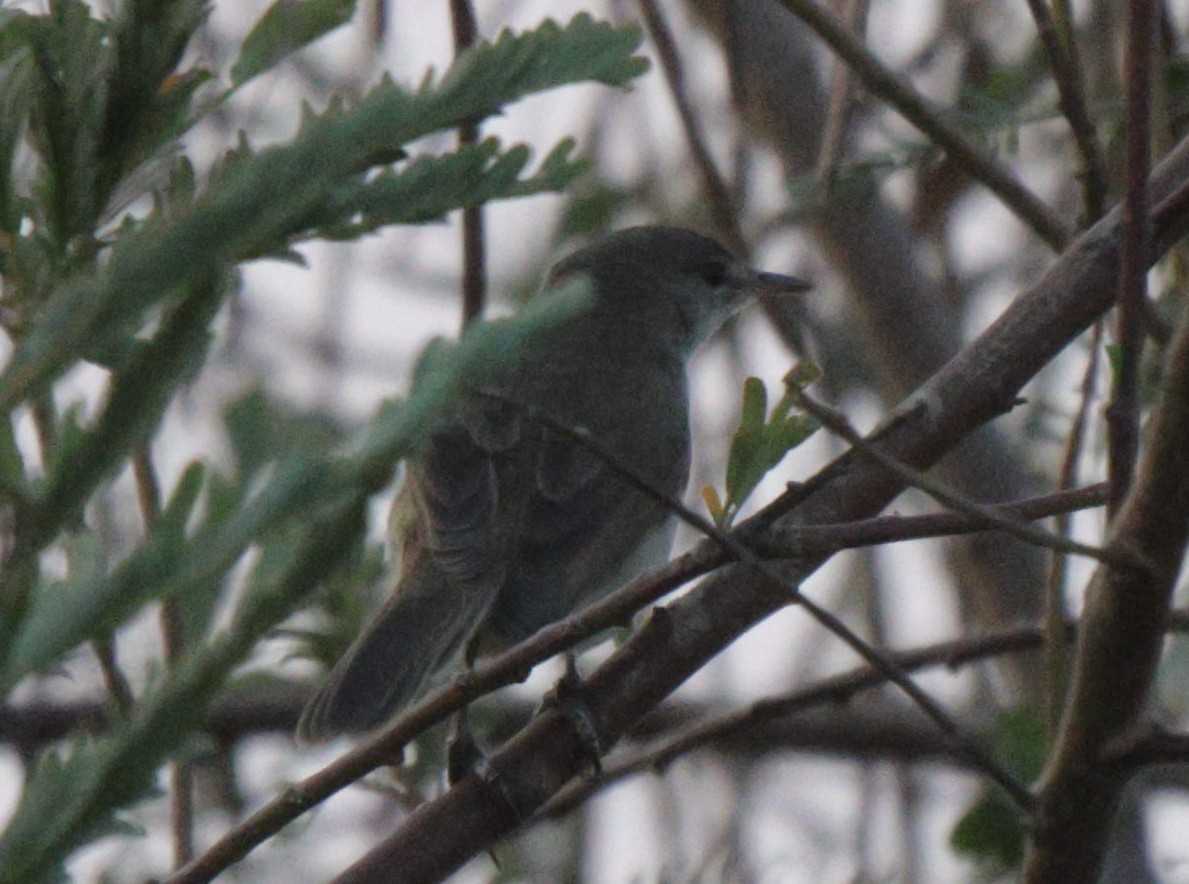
(221, 254)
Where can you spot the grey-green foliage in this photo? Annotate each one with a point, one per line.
(98, 105)
(266, 199)
(307, 520)
(286, 27)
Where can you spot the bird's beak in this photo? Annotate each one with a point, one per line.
(778, 284)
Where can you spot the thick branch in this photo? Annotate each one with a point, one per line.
(1119, 649)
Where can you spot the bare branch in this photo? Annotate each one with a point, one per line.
(1056, 653)
(1063, 60)
(990, 516)
(722, 206)
(1122, 415)
(1118, 652)
(831, 691)
(474, 247)
(897, 92)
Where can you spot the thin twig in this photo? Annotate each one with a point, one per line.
(838, 112)
(718, 194)
(1063, 62)
(273, 706)
(378, 23)
(804, 540)
(114, 680)
(1119, 651)
(837, 423)
(474, 246)
(510, 666)
(1170, 218)
(897, 92)
(45, 425)
(1151, 745)
(1123, 412)
(181, 775)
(973, 388)
(1150, 748)
(1056, 656)
(1063, 20)
(387, 745)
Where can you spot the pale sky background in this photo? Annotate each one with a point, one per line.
(382, 299)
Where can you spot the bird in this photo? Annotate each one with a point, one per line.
(505, 524)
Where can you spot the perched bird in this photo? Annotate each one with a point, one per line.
(508, 525)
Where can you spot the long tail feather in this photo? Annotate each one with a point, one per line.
(419, 631)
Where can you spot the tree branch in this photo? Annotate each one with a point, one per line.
(897, 92)
(1120, 646)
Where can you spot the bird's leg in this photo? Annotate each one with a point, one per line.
(567, 697)
(463, 754)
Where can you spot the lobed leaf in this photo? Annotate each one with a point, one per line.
(286, 27)
(265, 198)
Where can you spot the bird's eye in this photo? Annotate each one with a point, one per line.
(715, 273)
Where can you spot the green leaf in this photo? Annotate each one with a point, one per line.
(746, 441)
(759, 443)
(16, 101)
(755, 404)
(72, 799)
(992, 831)
(714, 506)
(802, 374)
(261, 427)
(74, 57)
(444, 368)
(549, 55)
(265, 198)
(297, 486)
(139, 394)
(14, 483)
(557, 172)
(348, 599)
(593, 209)
(91, 602)
(1114, 355)
(431, 186)
(286, 27)
(53, 786)
(120, 769)
(148, 99)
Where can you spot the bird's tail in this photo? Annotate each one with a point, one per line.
(418, 631)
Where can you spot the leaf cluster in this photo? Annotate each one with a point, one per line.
(760, 442)
(116, 251)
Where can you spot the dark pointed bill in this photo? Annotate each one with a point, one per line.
(779, 284)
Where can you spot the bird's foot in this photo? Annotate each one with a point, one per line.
(463, 754)
(568, 698)
(465, 758)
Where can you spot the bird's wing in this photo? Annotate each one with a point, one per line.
(451, 570)
(583, 527)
